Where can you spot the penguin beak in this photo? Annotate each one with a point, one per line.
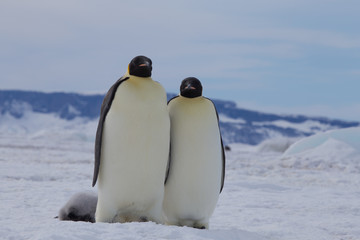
(146, 64)
(190, 87)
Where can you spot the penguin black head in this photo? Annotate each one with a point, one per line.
(191, 87)
(140, 66)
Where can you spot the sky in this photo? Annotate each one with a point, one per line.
(278, 56)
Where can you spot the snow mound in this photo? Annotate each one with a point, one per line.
(351, 136)
(276, 145)
(337, 150)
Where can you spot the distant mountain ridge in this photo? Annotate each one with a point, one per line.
(237, 125)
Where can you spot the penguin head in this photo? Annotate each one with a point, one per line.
(191, 87)
(140, 66)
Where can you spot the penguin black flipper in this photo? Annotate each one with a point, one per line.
(105, 107)
(169, 161)
(172, 99)
(222, 150)
(223, 165)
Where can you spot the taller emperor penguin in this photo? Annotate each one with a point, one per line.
(132, 148)
(196, 169)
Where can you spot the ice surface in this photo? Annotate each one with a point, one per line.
(310, 195)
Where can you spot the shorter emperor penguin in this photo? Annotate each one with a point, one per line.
(196, 168)
(132, 148)
(80, 207)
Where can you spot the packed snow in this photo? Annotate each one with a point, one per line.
(309, 194)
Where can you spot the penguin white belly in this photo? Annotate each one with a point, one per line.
(193, 185)
(134, 154)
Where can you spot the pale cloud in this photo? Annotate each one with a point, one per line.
(355, 72)
(350, 112)
(256, 49)
(307, 36)
(291, 37)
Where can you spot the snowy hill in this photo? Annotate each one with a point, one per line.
(28, 111)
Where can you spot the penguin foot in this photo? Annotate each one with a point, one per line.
(201, 225)
(191, 223)
(123, 218)
(143, 219)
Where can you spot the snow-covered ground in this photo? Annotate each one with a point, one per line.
(308, 194)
